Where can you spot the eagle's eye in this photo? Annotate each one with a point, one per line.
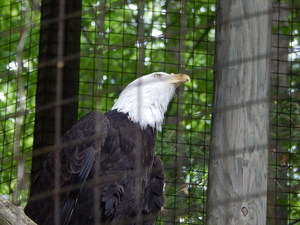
(157, 75)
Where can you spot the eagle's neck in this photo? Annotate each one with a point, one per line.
(151, 115)
(146, 101)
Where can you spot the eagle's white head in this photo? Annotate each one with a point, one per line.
(146, 99)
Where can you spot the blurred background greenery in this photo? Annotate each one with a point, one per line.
(121, 40)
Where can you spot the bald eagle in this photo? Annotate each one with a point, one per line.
(109, 172)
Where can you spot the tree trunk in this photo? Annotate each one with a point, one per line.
(173, 43)
(141, 39)
(239, 151)
(59, 50)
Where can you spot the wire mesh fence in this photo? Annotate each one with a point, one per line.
(19, 50)
(168, 42)
(123, 40)
(283, 200)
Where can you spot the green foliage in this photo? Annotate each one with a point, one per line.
(111, 53)
(172, 42)
(285, 132)
(18, 22)
(172, 36)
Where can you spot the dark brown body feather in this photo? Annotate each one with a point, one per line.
(109, 175)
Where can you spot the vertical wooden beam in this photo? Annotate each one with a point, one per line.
(44, 134)
(239, 152)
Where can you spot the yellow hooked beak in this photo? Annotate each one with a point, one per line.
(178, 79)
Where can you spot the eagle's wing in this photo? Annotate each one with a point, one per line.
(82, 141)
(76, 183)
(154, 199)
(79, 146)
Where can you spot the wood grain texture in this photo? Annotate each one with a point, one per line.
(238, 158)
(12, 215)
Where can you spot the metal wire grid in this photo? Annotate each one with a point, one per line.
(170, 43)
(119, 56)
(18, 66)
(283, 193)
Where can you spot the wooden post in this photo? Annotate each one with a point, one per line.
(237, 188)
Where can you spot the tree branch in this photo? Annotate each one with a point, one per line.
(11, 214)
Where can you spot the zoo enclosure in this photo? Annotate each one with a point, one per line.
(120, 40)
